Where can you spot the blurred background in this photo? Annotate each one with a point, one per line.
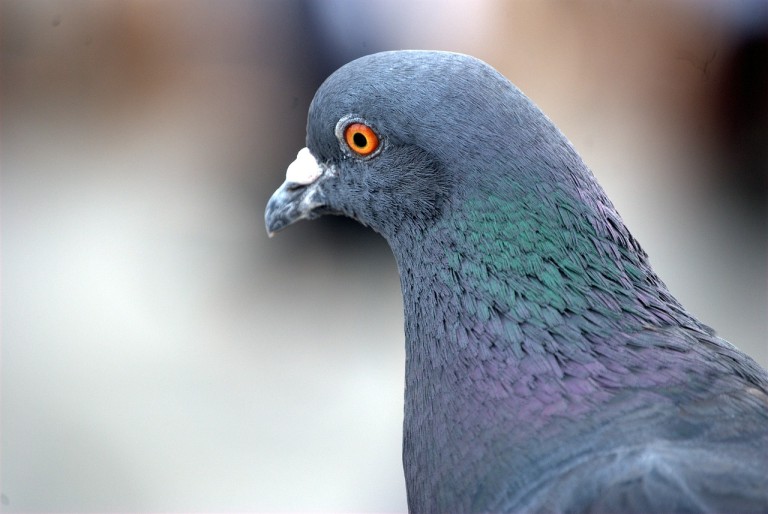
(159, 353)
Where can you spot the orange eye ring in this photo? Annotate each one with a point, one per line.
(361, 139)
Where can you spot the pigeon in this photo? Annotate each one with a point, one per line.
(548, 368)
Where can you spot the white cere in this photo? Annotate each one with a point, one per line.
(304, 170)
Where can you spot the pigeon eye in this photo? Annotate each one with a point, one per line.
(361, 139)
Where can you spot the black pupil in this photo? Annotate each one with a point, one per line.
(360, 140)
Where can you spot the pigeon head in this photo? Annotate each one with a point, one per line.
(397, 139)
(469, 182)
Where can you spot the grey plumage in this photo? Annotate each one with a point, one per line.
(548, 368)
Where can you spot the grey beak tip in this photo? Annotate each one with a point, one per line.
(298, 197)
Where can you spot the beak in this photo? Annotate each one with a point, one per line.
(300, 195)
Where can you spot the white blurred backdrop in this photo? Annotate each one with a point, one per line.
(159, 353)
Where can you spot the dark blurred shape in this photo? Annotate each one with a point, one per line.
(742, 113)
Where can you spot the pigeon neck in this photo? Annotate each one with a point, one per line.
(501, 282)
(509, 315)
